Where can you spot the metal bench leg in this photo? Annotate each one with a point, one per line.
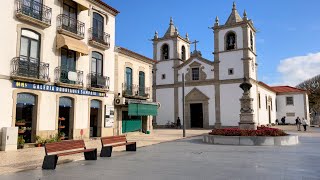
(106, 151)
(92, 155)
(50, 162)
(131, 147)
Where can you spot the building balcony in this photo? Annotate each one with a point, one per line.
(134, 91)
(29, 70)
(97, 82)
(34, 12)
(100, 40)
(70, 26)
(68, 78)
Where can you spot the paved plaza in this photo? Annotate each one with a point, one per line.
(191, 159)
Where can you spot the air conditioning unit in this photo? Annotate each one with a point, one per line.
(119, 101)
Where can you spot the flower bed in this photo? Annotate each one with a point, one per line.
(261, 131)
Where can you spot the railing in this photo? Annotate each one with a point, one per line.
(70, 24)
(135, 90)
(98, 81)
(100, 37)
(35, 10)
(64, 75)
(30, 68)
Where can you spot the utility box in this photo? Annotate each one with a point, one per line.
(9, 138)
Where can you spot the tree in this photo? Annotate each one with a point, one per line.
(312, 86)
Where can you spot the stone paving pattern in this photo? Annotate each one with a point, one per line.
(191, 159)
(31, 158)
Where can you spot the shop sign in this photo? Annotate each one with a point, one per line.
(44, 87)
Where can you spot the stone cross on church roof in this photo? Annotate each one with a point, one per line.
(195, 44)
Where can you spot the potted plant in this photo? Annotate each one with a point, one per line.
(61, 119)
(21, 130)
(21, 142)
(21, 122)
(39, 141)
(61, 135)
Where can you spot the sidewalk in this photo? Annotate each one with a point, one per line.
(31, 158)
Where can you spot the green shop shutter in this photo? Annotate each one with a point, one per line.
(142, 110)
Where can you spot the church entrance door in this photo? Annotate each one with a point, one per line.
(196, 113)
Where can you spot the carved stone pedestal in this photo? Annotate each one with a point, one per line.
(247, 120)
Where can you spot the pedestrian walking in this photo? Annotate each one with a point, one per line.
(178, 123)
(283, 120)
(298, 124)
(277, 122)
(304, 124)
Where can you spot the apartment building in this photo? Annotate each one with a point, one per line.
(57, 68)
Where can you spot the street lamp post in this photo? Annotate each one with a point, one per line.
(183, 116)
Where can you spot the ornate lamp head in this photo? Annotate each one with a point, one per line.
(246, 85)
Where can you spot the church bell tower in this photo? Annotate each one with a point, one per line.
(234, 47)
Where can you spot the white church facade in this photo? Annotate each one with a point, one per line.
(212, 89)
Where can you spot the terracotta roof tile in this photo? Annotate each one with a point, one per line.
(285, 89)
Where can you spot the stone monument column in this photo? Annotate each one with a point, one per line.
(247, 118)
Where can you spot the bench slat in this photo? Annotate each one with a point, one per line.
(75, 152)
(64, 146)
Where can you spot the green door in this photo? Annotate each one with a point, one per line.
(130, 123)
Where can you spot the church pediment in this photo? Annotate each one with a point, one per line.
(195, 64)
(196, 95)
(195, 61)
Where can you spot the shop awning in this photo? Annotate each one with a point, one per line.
(83, 4)
(71, 43)
(142, 109)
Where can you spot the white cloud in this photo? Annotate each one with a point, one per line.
(295, 70)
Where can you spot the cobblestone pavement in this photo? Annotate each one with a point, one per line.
(31, 158)
(192, 159)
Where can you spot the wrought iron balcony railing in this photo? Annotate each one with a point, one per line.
(29, 68)
(96, 80)
(34, 10)
(72, 77)
(70, 24)
(135, 90)
(100, 37)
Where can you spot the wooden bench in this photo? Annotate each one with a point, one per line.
(64, 148)
(113, 141)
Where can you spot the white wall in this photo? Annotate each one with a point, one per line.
(263, 117)
(230, 95)
(166, 111)
(298, 107)
(209, 92)
(165, 67)
(233, 60)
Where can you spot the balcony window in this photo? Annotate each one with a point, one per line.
(128, 80)
(97, 78)
(98, 28)
(141, 83)
(68, 65)
(34, 11)
(29, 53)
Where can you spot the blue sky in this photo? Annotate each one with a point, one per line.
(288, 40)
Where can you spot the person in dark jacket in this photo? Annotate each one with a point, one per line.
(178, 123)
